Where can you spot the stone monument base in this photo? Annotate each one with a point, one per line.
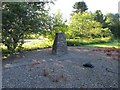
(60, 44)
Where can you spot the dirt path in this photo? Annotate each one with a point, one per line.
(41, 69)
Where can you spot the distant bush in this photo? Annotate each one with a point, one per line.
(83, 25)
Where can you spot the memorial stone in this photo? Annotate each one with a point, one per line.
(60, 44)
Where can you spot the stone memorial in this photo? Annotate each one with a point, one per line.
(60, 44)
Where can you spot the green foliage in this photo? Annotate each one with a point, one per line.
(32, 20)
(32, 36)
(87, 28)
(20, 18)
(80, 7)
(110, 21)
(57, 25)
(84, 26)
(113, 23)
(99, 17)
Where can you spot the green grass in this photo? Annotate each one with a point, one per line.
(98, 42)
(37, 44)
(80, 42)
(114, 44)
(32, 44)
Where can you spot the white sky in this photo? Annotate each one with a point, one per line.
(106, 6)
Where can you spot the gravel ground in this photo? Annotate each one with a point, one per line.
(41, 69)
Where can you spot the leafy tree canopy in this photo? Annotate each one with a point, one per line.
(20, 18)
(99, 17)
(58, 24)
(84, 26)
(113, 23)
(80, 7)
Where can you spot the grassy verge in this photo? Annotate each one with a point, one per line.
(113, 44)
(79, 42)
(103, 42)
(32, 44)
(37, 44)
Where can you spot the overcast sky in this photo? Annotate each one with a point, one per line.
(106, 6)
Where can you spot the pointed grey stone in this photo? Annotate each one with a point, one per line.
(60, 44)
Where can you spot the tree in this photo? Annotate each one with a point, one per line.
(80, 7)
(20, 18)
(99, 17)
(58, 24)
(113, 23)
(84, 26)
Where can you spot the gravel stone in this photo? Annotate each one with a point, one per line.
(41, 69)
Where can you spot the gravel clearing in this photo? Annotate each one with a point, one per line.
(41, 69)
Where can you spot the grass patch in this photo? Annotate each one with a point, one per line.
(113, 44)
(80, 42)
(30, 44)
(98, 42)
(37, 44)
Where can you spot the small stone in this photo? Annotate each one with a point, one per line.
(88, 65)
